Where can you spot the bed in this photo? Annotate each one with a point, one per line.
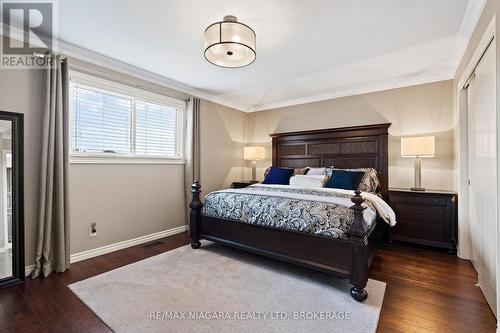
(346, 227)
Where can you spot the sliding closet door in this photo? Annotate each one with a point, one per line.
(482, 137)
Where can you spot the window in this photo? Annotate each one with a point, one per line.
(155, 129)
(109, 120)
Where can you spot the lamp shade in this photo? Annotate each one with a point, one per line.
(230, 43)
(254, 153)
(422, 146)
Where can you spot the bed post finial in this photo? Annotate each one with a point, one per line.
(196, 206)
(358, 240)
(196, 202)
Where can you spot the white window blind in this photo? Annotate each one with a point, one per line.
(125, 122)
(101, 122)
(155, 129)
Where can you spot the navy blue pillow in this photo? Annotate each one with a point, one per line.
(347, 180)
(278, 176)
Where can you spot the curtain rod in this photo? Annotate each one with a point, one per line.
(47, 54)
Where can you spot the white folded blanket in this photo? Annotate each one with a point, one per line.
(308, 181)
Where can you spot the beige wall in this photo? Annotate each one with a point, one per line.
(126, 201)
(418, 110)
(222, 139)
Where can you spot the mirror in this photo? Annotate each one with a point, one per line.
(5, 199)
(11, 199)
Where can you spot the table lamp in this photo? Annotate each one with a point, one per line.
(254, 154)
(417, 147)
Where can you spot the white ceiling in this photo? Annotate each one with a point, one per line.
(306, 50)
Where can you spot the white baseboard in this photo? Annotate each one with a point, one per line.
(487, 287)
(28, 270)
(76, 257)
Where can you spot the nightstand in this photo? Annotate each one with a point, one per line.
(242, 184)
(426, 218)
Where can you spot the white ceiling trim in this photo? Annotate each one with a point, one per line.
(471, 17)
(472, 14)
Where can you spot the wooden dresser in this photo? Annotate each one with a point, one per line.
(427, 218)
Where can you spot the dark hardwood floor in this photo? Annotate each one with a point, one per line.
(427, 291)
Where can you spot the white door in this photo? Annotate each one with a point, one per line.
(482, 152)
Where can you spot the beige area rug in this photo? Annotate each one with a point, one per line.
(219, 289)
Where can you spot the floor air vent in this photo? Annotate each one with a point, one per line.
(152, 244)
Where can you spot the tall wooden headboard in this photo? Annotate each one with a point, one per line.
(346, 147)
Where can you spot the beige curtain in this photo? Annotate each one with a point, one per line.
(192, 149)
(52, 252)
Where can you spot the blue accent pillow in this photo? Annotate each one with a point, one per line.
(347, 180)
(278, 176)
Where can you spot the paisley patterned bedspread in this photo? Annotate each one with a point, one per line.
(320, 211)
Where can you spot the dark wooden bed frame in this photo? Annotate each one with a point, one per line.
(349, 147)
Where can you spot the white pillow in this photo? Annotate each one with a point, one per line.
(316, 171)
(308, 180)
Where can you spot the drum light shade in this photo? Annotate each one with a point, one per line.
(230, 43)
(422, 146)
(254, 153)
(418, 147)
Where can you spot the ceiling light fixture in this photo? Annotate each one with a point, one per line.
(229, 43)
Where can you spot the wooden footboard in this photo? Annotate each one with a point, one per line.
(349, 258)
